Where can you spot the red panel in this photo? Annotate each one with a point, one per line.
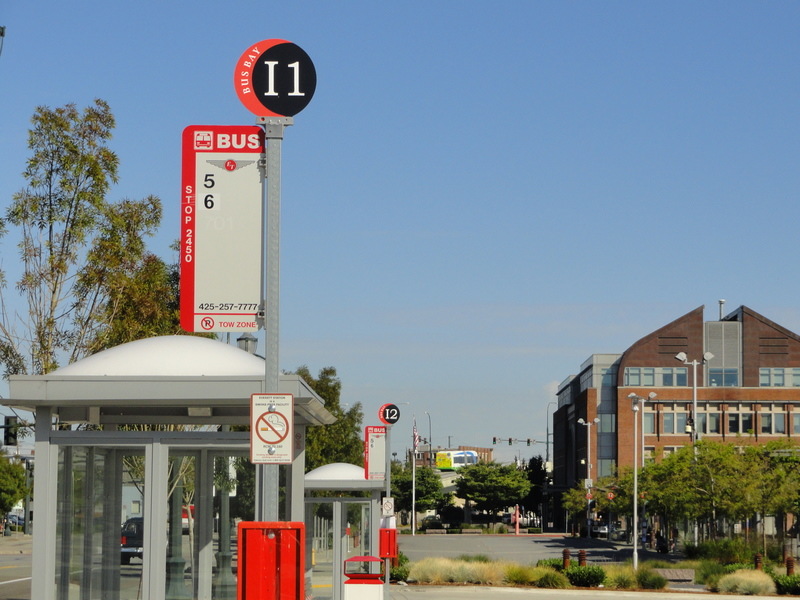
(388, 543)
(271, 561)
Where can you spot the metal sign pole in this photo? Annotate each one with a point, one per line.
(267, 476)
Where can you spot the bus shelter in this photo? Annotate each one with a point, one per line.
(340, 524)
(140, 434)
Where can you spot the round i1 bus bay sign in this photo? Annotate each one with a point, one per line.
(275, 78)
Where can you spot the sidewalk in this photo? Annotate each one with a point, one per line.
(16, 543)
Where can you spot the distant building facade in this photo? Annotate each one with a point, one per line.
(747, 392)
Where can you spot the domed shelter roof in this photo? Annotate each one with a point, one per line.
(340, 476)
(167, 379)
(173, 355)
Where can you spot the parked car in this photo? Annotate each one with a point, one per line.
(431, 522)
(132, 540)
(15, 519)
(600, 529)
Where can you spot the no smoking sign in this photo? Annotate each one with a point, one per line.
(271, 428)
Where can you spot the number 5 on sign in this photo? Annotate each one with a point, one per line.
(275, 78)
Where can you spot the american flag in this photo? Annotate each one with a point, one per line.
(416, 436)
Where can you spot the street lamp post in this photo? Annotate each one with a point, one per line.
(547, 470)
(681, 356)
(636, 402)
(588, 484)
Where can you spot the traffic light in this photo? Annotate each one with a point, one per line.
(529, 441)
(509, 441)
(494, 440)
(10, 432)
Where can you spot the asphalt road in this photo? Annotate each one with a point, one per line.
(15, 567)
(524, 549)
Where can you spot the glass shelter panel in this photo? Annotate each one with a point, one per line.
(99, 491)
(104, 548)
(182, 557)
(338, 529)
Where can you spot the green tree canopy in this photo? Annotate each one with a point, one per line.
(79, 252)
(341, 441)
(492, 487)
(12, 483)
(428, 492)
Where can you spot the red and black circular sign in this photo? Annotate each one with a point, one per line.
(389, 414)
(275, 78)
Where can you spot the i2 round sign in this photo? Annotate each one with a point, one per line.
(389, 414)
(275, 78)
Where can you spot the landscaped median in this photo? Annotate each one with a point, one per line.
(553, 573)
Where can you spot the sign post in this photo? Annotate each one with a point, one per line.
(230, 213)
(275, 80)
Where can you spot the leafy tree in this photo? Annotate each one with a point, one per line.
(341, 441)
(670, 487)
(536, 470)
(429, 495)
(12, 483)
(78, 251)
(775, 475)
(492, 487)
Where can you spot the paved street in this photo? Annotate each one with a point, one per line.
(524, 549)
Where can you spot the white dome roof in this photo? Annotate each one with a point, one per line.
(336, 472)
(171, 355)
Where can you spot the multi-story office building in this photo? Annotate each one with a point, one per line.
(736, 380)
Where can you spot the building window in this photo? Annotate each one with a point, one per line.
(668, 420)
(714, 423)
(607, 424)
(733, 422)
(740, 422)
(723, 377)
(701, 421)
(747, 423)
(796, 423)
(648, 422)
(779, 423)
(606, 467)
(766, 423)
(778, 377)
(680, 422)
(656, 376)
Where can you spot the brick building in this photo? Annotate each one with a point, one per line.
(747, 390)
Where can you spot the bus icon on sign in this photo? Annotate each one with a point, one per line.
(203, 140)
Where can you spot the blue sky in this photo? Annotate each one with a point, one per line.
(476, 199)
